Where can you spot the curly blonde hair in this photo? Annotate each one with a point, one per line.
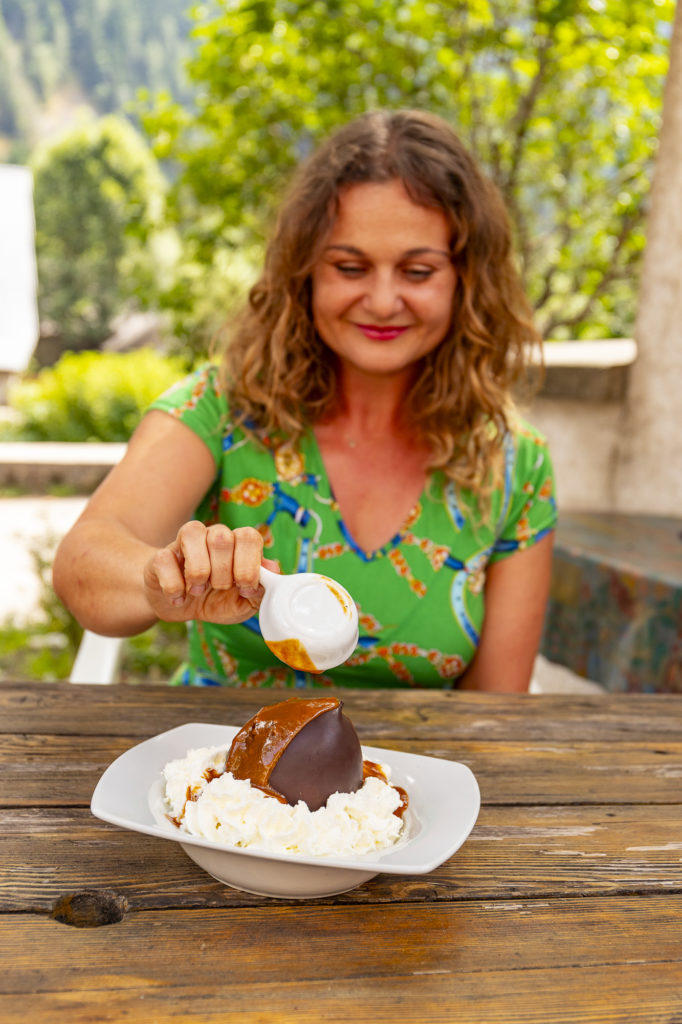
(277, 372)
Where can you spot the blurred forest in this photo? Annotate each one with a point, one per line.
(162, 200)
(56, 54)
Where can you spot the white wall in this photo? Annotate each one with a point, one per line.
(580, 411)
(18, 278)
(582, 438)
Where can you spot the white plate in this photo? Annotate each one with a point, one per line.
(444, 802)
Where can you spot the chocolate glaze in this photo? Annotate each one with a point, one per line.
(299, 749)
(323, 758)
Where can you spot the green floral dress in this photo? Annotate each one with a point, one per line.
(420, 598)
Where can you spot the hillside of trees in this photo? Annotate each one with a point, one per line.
(58, 54)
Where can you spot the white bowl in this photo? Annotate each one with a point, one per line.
(444, 802)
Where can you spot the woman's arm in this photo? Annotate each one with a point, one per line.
(516, 593)
(135, 556)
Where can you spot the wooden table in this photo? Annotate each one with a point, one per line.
(565, 904)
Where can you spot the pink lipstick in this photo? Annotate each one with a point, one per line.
(380, 333)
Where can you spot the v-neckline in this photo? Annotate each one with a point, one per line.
(393, 542)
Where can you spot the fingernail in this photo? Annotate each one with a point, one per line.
(248, 591)
(178, 600)
(197, 589)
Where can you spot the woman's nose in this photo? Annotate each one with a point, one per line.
(383, 297)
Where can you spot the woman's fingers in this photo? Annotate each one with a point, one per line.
(246, 561)
(192, 549)
(168, 576)
(220, 544)
(235, 557)
(208, 573)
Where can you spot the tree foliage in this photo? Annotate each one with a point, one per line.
(98, 199)
(559, 99)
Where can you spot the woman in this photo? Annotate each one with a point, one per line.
(359, 424)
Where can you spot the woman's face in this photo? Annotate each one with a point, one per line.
(383, 285)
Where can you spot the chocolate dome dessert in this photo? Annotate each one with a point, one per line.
(299, 749)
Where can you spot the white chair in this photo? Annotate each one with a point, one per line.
(97, 659)
(550, 677)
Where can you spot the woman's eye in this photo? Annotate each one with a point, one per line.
(358, 269)
(350, 269)
(418, 273)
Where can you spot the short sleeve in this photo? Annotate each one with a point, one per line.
(198, 402)
(529, 510)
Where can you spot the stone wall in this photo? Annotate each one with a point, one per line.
(580, 409)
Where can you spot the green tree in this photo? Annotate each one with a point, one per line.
(560, 100)
(98, 206)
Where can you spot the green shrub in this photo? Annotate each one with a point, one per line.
(153, 657)
(92, 396)
(43, 648)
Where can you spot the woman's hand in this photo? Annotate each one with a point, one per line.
(209, 573)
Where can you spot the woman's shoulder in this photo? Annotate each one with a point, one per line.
(523, 464)
(202, 386)
(530, 464)
(525, 434)
(528, 508)
(525, 445)
(199, 401)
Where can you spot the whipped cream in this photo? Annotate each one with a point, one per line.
(205, 800)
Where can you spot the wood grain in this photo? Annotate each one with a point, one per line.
(620, 994)
(42, 770)
(573, 960)
(383, 715)
(529, 853)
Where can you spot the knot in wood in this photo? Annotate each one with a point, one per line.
(90, 908)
